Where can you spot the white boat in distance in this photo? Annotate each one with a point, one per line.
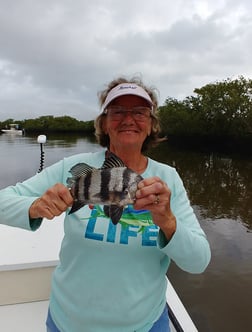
(13, 130)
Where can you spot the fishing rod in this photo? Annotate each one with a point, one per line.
(41, 140)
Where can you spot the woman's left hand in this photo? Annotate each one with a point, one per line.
(154, 195)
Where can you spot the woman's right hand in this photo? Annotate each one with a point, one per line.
(52, 203)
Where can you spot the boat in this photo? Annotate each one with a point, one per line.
(13, 130)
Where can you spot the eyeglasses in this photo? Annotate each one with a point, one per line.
(138, 113)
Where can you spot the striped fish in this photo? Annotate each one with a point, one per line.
(113, 185)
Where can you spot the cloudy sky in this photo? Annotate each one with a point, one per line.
(55, 55)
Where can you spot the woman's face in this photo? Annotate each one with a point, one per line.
(124, 129)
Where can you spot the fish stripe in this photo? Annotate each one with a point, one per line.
(86, 185)
(126, 178)
(105, 180)
(76, 188)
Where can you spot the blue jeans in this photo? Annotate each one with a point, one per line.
(161, 325)
(50, 325)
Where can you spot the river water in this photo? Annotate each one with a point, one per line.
(220, 189)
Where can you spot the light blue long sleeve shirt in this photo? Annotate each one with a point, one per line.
(111, 278)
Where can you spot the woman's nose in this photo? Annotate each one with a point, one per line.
(128, 115)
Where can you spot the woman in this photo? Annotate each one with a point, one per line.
(112, 277)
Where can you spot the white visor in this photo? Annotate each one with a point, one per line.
(126, 89)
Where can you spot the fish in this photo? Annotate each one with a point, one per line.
(114, 186)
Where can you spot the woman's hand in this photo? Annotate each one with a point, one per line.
(52, 203)
(154, 195)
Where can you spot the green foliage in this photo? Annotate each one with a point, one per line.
(51, 124)
(221, 109)
(216, 111)
(179, 118)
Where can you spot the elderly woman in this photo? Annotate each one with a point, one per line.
(112, 276)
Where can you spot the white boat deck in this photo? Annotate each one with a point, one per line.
(27, 260)
(31, 317)
(25, 317)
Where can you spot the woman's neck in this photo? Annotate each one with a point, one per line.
(134, 160)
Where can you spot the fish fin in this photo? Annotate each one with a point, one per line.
(78, 170)
(112, 161)
(106, 210)
(114, 212)
(81, 169)
(76, 206)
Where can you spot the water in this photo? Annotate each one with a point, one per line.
(20, 155)
(220, 189)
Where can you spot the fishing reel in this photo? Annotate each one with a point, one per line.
(41, 140)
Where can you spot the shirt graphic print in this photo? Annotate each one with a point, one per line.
(134, 224)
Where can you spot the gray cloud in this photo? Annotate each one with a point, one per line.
(56, 55)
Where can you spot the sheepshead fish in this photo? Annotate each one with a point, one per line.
(113, 185)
